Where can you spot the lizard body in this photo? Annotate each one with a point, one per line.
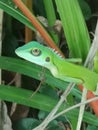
(58, 66)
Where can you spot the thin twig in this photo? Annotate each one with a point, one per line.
(47, 120)
(88, 63)
(75, 106)
(81, 111)
(41, 82)
(93, 49)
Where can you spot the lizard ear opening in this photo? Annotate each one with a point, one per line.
(47, 59)
(36, 52)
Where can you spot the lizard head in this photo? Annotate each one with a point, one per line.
(38, 54)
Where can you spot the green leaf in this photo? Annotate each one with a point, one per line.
(92, 128)
(51, 17)
(85, 9)
(23, 96)
(74, 27)
(42, 102)
(9, 7)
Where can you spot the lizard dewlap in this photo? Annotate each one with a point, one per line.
(58, 66)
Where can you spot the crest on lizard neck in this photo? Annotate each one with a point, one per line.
(55, 52)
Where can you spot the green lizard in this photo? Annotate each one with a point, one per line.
(58, 66)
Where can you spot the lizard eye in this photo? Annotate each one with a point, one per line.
(47, 59)
(36, 51)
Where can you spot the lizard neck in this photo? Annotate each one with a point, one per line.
(53, 69)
